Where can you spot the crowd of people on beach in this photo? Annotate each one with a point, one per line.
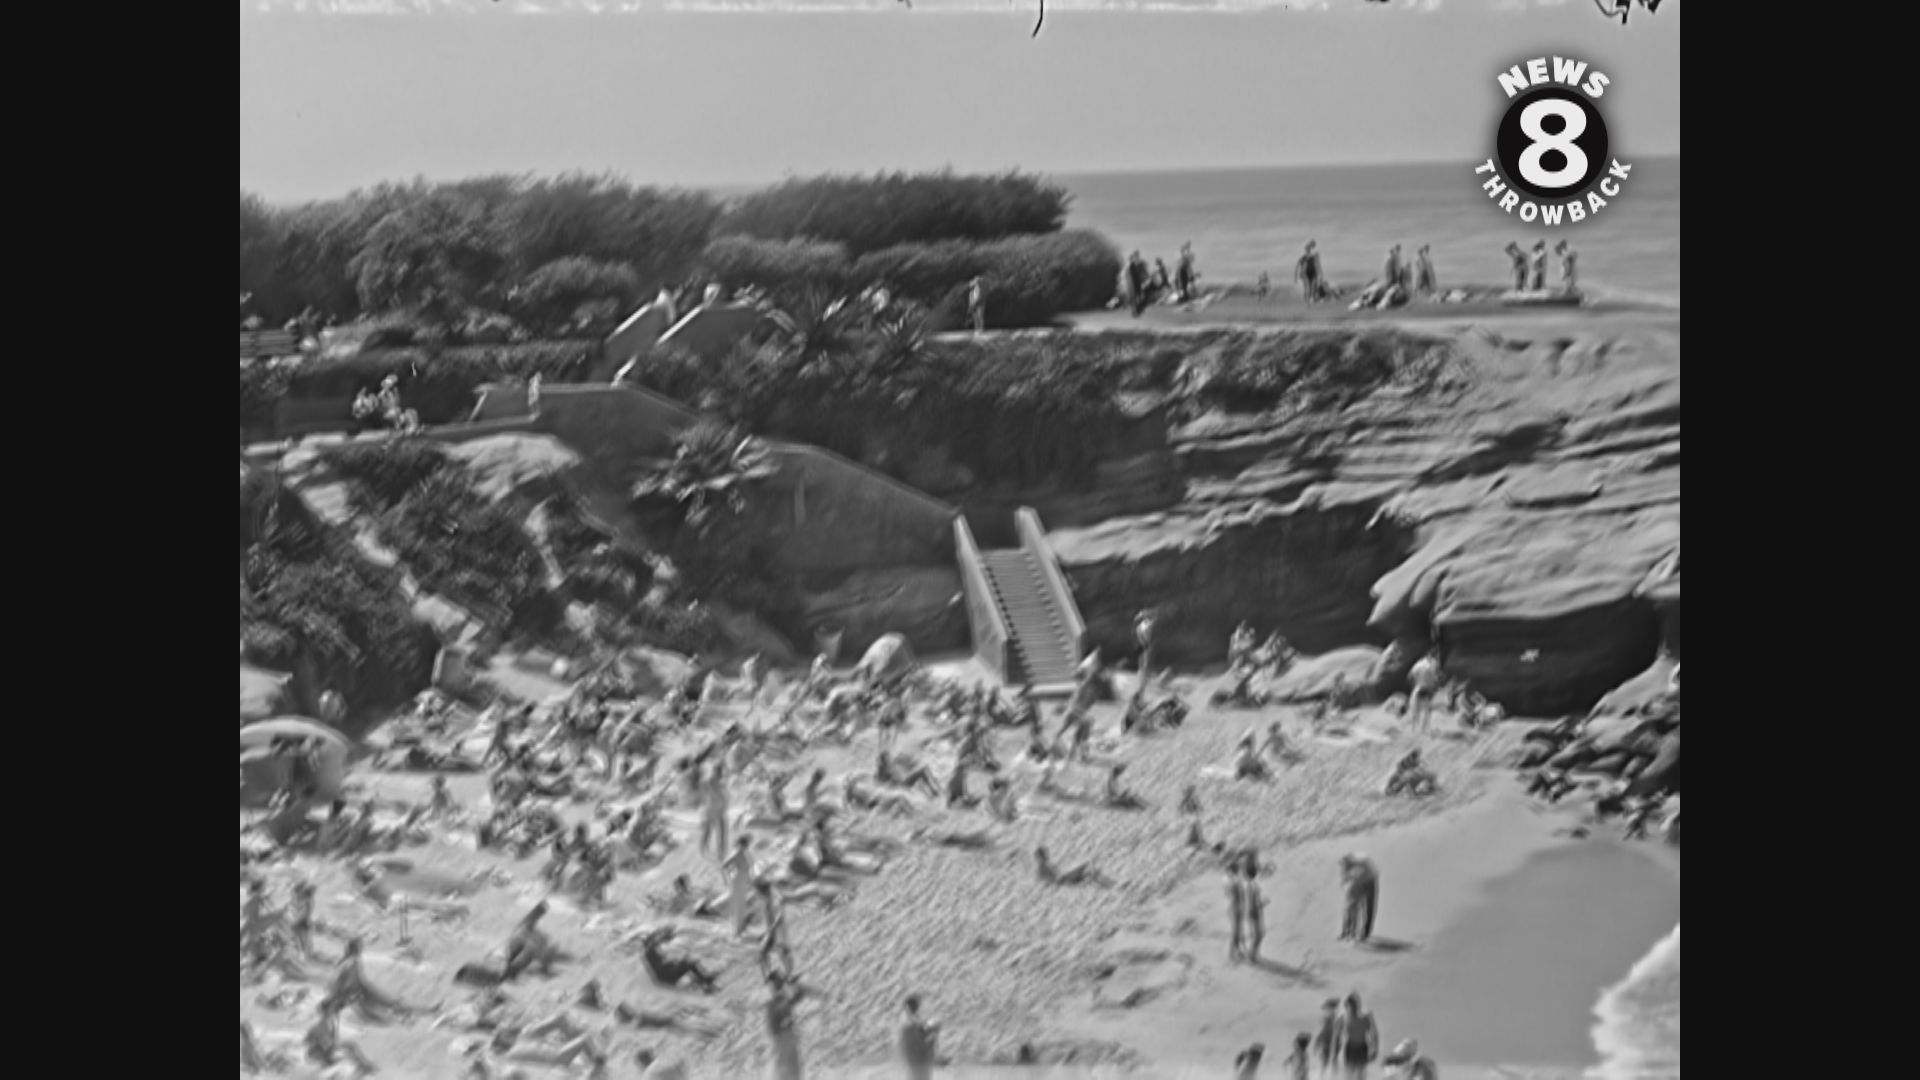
(642, 761)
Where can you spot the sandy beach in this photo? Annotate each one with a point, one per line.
(1478, 885)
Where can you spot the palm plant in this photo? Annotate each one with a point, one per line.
(713, 462)
(818, 326)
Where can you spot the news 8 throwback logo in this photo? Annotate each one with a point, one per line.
(1550, 160)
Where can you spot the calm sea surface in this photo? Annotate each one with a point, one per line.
(1244, 222)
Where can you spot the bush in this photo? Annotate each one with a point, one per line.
(1027, 280)
(473, 551)
(381, 474)
(780, 267)
(871, 213)
(551, 297)
(439, 249)
(336, 610)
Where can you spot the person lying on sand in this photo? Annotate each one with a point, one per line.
(858, 795)
(1119, 797)
(678, 1018)
(682, 900)
(372, 887)
(904, 772)
(507, 1043)
(669, 972)
(1000, 800)
(1084, 874)
(1246, 761)
(325, 1047)
(488, 1010)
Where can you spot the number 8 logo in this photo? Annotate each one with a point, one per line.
(1532, 121)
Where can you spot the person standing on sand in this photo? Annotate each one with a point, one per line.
(784, 994)
(1143, 628)
(714, 824)
(1425, 684)
(739, 871)
(1324, 1040)
(1246, 1064)
(1256, 905)
(919, 1042)
(1362, 883)
(1237, 911)
(1393, 271)
(1357, 1040)
(1184, 277)
(1424, 281)
(1539, 263)
(1569, 269)
(1307, 273)
(977, 306)
(1519, 258)
(1299, 1064)
(1137, 283)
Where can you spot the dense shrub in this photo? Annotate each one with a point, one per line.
(551, 298)
(780, 267)
(870, 213)
(380, 474)
(1027, 280)
(473, 551)
(439, 383)
(310, 597)
(443, 250)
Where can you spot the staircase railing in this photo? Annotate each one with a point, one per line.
(1033, 537)
(992, 639)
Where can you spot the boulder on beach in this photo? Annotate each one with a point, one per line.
(1640, 694)
(1314, 677)
(263, 774)
(264, 693)
(889, 657)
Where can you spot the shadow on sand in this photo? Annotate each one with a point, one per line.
(1387, 945)
(1302, 975)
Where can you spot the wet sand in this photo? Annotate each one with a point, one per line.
(1495, 938)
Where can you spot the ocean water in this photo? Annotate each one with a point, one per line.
(1244, 222)
(1638, 1021)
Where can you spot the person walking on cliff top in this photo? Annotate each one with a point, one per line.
(1424, 281)
(1519, 258)
(1539, 264)
(977, 306)
(1307, 273)
(1569, 268)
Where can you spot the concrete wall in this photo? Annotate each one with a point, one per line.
(638, 335)
(1033, 537)
(710, 331)
(989, 626)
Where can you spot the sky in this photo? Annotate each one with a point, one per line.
(339, 94)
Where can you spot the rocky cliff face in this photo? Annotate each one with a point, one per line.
(1522, 511)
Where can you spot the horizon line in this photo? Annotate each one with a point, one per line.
(738, 186)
